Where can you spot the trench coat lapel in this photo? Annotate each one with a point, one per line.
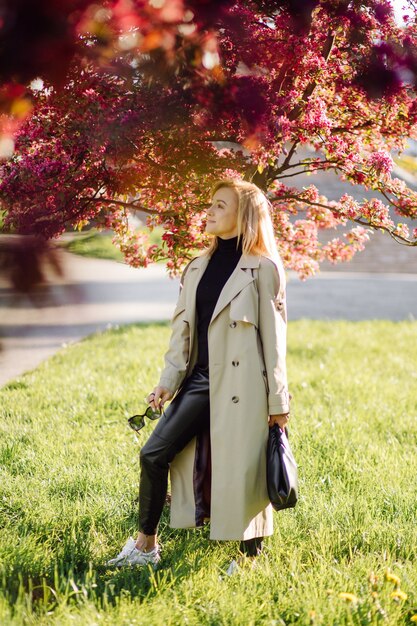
(196, 271)
(238, 279)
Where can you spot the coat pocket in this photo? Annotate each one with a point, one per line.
(265, 377)
(262, 366)
(244, 306)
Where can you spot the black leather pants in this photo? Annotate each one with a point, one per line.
(188, 413)
(184, 418)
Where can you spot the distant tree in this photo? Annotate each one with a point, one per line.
(163, 97)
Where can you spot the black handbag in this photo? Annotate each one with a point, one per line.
(281, 470)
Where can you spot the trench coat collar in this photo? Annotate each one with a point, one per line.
(246, 260)
(238, 279)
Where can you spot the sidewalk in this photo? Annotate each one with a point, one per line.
(97, 293)
(94, 294)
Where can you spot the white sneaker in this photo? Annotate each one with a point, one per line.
(232, 569)
(130, 555)
(242, 563)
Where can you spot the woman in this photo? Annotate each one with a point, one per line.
(225, 371)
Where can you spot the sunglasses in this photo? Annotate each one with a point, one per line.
(137, 422)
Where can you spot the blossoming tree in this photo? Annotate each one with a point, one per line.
(163, 97)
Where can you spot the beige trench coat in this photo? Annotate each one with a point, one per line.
(248, 382)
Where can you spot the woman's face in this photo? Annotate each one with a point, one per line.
(222, 214)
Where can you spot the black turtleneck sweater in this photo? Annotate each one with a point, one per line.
(221, 265)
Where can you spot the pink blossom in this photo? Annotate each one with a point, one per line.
(107, 137)
(324, 218)
(232, 174)
(358, 236)
(315, 118)
(348, 206)
(284, 127)
(381, 162)
(402, 230)
(377, 212)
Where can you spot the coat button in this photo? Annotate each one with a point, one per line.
(235, 399)
(232, 325)
(264, 372)
(235, 363)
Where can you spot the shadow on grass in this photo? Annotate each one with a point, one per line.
(59, 561)
(73, 578)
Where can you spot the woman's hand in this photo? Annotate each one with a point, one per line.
(157, 398)
(281, 419)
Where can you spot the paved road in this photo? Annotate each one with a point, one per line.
(98, 293)
(354, 296)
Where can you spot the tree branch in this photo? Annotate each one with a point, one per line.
(129, 205)
(263, 180)
(336, 130)
(305, 171)
(328, 46)
(398, 238)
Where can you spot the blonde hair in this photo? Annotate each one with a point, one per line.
(254, 223)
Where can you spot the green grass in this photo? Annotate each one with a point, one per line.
(69, 480)
(94, 244)
(99, 245)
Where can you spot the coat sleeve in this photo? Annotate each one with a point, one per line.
(176, 357)
(273, 332)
